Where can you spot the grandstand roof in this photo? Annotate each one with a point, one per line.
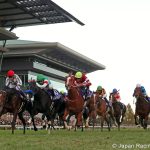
(7, 35)
(53, 52)
(32, 12)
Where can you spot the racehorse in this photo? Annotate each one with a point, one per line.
(57, 112)
(42, 102)
(89, 113)
(119, 110)
(74, 104)
(11, 101)
(103, 111)
(142, 108)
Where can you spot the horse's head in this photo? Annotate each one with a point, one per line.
(137, 92)
(112, 98)
(99, 99)
(32, 86)
(70, 81)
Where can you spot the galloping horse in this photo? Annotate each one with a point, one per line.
(11, 101)
(90, 114)
(119, 110)
(103, 111)
(74, 104)
(42, 102)
(142, 108)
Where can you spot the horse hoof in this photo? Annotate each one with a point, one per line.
(35, 129)
(44, 126)
(69, 128)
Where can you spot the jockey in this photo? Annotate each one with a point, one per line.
(102, 93)
(84, 83)
(13, 81)
(46, 85)
(116, 95)
(143, 91)
(64, 95)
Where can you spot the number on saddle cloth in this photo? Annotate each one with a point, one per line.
(57, 95)
(54, 94)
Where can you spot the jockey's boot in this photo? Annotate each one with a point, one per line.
(23, 96)
(108, 103)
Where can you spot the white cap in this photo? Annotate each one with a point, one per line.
(138, 85)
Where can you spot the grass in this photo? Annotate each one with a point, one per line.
(70, 140)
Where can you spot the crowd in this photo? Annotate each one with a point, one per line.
(6, 119)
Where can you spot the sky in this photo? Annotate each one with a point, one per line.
(116, 34)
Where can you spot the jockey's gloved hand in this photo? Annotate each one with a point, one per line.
(15, 83)
(81, 85)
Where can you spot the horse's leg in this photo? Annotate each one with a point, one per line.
(93, 116)
(112, 117)
(49, 119)
(102, 122)
(136, 119)
(1, 109)
(108, 119)
(79, 120)
(23, 121)
(32, 114)
(52, 124)
(86, 118)
(145, 122)
(87, 122)
(32, 111)
(14, 122)
(141, 121)
(118, 122)
(66, 113)
(43, 121)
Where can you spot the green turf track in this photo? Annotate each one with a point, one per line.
(132, 139)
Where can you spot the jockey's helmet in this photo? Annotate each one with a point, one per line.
(143, 89)
(62, 91)
(40, 77)
(99, 88)
(10, 73)
(115, 90)
(78, 75)
(138, 85)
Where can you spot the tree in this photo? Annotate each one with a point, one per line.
(129, 118)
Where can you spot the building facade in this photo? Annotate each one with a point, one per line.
(53, 60)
